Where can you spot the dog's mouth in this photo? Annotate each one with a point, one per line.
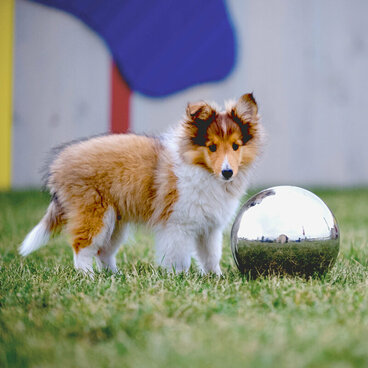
(226, 180)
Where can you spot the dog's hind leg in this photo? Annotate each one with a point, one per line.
(83, 259)
(91, 232)
(106, 256)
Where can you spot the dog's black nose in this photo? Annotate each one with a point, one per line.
(227, 174)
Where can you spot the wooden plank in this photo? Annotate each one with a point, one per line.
(6, 82)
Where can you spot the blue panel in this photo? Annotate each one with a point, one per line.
(161, 46)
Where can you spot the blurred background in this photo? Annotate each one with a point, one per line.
(72, 69)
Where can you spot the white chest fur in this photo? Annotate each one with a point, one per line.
(205, 201)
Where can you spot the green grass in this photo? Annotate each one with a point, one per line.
(51, 316)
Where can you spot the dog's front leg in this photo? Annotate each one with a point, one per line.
(209, 251)
(174, 248)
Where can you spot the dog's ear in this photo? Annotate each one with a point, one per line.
(246, 108)
(199, 111)
(244, 113)
(199, 117)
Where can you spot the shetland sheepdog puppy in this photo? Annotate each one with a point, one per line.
(186, 185)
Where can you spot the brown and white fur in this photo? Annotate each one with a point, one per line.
(186, 185)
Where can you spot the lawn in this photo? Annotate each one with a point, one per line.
(51, 316)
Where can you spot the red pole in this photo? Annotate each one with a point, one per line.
(120, 102)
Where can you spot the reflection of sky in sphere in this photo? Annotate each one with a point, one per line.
(291, 211)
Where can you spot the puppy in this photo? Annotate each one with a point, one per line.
(186, 185)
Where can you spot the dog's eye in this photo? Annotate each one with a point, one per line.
(212, 147)
(235, 146)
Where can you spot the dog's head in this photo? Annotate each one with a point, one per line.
(222, 141)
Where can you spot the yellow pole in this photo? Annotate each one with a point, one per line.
(6, 92)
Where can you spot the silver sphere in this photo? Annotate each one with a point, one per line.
(285, 230)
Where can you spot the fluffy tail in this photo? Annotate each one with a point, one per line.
(40, 235)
